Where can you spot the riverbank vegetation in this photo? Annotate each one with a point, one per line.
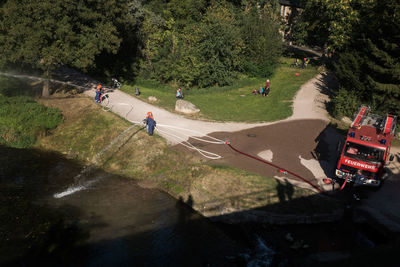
(22, 119)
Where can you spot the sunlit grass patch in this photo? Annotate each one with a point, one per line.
(236, 102)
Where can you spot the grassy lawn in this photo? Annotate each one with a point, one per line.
(236, 102)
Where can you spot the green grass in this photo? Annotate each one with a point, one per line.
(22, 119)
(236, 102)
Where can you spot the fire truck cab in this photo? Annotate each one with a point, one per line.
(367, 147)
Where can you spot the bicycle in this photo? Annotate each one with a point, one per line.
(116, 84)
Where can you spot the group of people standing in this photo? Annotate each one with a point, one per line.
(302, 64)
(263, 91)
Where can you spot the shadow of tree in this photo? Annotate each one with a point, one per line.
(289, 190)
(280, 188)
(327, 84)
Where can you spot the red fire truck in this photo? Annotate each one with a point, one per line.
(367, 147)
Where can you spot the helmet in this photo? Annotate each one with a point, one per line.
(149, 115)
(99, 86)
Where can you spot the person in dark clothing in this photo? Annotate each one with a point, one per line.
(359, 178)
(137, 91)
(267, 89)
(150, 122)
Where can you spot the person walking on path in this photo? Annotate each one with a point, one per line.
(150, 123)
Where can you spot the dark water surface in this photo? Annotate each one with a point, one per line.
(130, 225)
(110, 221)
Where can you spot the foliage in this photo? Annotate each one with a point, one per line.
(369, 66)
(46, 34)
(328, 23)
(123, 63)
(191, 43)
(345, 103)
(218, 47)
(22, 120)
(363, 37)
(262, 42)
(208, 44)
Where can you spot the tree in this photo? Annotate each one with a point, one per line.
(207, 43)
(262, 41)
(46, 34)
(218, 46)
(202, 53)
(328, 23)
(369, 66)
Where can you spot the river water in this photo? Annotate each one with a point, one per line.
(129, 225)
(108, 221)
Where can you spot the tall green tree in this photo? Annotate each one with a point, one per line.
(47, 33)
(207, 43)
(369, 67)
(202, 53)
(327, 23)
(219, 46)
(262, 41)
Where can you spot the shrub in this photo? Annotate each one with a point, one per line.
(345, 103)
(22, 119)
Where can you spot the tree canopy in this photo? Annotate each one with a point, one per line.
(187, 42)
(45, 34)
(363, 37)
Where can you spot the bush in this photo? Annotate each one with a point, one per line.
(345, 103)
(22, 119)
(266, 69)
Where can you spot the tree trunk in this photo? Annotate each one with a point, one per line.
(46, 84)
